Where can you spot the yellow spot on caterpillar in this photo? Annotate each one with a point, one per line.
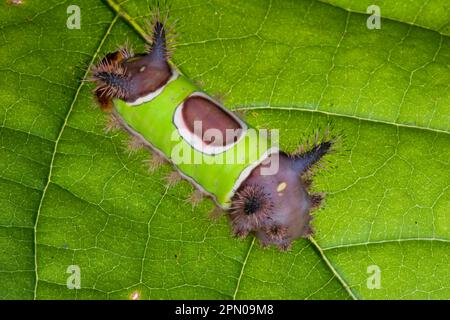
(142, 69)
(281, 186)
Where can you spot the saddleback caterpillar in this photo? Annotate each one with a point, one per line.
(148, 97)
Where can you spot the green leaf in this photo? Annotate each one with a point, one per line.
(432, 14)
(70, 195)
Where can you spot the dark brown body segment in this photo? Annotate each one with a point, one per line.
(127, 76)
(287, 217)
(211, 117)
(146, 76)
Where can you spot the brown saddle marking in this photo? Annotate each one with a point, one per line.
(212, 116)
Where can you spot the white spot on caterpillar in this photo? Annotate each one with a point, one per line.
(281, 186)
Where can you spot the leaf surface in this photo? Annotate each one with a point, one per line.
(70, 195)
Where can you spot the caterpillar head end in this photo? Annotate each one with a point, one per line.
(276, 208)
(123, 75)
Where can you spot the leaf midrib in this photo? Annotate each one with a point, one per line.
(244, 264)
(375, 242)
(341, 115)
(61, 131)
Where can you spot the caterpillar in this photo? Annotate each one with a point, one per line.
(147, 96)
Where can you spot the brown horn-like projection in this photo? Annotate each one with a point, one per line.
(130, 77)
(306, 160)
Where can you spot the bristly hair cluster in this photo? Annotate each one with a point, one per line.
(125, 52)
(161, 34)
(310, 153)
(121, 74)
(276, 232)
(111, 79)
(251, 208)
